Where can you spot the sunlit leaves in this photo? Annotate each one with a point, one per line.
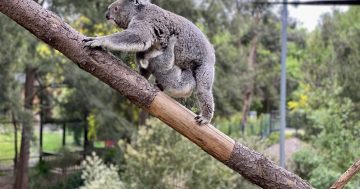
(97, 175)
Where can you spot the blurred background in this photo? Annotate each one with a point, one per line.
(63, 114)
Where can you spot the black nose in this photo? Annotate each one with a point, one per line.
(107, 15)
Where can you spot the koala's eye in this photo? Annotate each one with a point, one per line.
(116, 8)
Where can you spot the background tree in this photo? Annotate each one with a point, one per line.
(326, 96)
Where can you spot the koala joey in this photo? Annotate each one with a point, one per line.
(191, 64)
(171, 79)
(158, 48)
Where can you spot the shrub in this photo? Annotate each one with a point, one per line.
(97, 175)
(158, 157)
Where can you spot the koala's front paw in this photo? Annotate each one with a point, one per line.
(93, 42)
(201, 120)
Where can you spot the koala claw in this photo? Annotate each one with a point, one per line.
(87, 39)
(159, 86)
(92, 42)
(201, 120)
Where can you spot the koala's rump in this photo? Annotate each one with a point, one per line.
(192, 48)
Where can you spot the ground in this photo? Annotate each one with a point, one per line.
(292, 145)
(52, 142)
(6, 180)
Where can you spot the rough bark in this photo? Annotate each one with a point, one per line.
(52, 30)
(346, 177)
(260, 171)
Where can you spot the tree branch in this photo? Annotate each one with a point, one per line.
(52, 30)
(346, 177)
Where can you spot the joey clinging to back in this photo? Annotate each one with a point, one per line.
(159, 62)
(146, 25)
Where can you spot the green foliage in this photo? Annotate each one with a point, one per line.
(51, 181)
(160, 158)
(113, 156)
(313, 166)
(332, 125)
(53, 141)
(42, 168)
(7, 145)
(92, 126)
(41, 177)
(97, 175)
(332, 129)
(71, 182)
(323, 177)
(327, 100)
(231, 125)
(65, 159)
(305, 161)
(257, 126)
(274, 137)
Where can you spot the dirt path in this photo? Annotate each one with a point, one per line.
(292, 145)
(6, 181)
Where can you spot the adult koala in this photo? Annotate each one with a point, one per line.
(145, 25)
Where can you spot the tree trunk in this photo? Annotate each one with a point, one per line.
(249, 91)
(21, 178)
(13, 119)
(88, 145)
(143, 115)
(51, 29)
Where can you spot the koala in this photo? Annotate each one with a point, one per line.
(159, 48)
(170, 78)
(145, 25)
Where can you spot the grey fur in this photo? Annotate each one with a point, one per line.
(170, 78)
(146, 25)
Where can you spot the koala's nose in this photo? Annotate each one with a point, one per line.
(107, 15)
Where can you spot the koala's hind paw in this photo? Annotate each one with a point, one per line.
(92, 42)
(201, 120)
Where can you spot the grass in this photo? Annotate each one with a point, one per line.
(52, 142)
(7, 146)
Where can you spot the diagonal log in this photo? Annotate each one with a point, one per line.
(347, 176)
(51, 29)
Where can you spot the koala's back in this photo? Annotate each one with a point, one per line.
(192, 48)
